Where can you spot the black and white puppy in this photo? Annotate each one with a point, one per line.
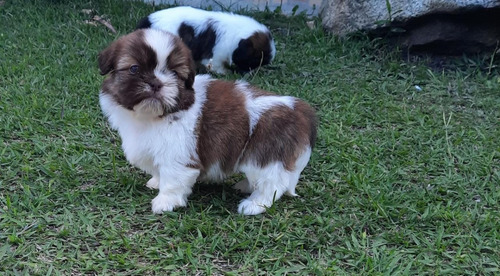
(181, 128)
(218, 40)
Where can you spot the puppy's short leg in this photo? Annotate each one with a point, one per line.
(175, 186)
(153, 183)
(300, 164)
(145, 164)
(269, 183)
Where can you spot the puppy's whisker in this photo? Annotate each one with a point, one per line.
(144, 86)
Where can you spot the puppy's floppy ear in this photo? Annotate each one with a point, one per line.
(243, 55)
(107, 59)
(245, 47)
(192, 72)
(245, 43)
(181, 60)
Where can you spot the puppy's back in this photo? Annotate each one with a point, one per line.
(283, 133)
(261, 127)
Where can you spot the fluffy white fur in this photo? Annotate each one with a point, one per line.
(230, 28)
(165, 146)
(160, 147)
(257, 106)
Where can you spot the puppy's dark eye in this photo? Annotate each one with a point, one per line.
(175, 73)
(134, 69)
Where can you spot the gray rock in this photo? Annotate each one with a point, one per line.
(450, 26)
(341, 17)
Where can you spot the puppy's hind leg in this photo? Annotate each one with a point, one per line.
(269, 183)
(300, 164)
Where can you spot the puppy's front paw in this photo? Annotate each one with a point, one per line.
(166, 203)
(250, 207)
(153, 183)
(243, 186)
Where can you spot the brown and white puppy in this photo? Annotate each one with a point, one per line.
(180, 128)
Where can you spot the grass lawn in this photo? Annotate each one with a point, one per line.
(404, 179)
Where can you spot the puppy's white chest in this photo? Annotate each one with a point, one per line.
(137, 146)
(157, 144)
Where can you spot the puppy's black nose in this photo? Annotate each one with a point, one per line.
(156, 85)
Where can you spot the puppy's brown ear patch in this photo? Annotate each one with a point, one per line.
(253, 52)
(260, 41)
(185, 99)
(107, 59)
(181, 61)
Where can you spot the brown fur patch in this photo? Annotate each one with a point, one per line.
(256, 92)
(281, 134)
(253, 52)
(108, 58)
(180, 61)
(260, 42)
(224, 126)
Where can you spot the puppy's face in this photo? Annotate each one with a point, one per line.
(150, 72)
(255, 51)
